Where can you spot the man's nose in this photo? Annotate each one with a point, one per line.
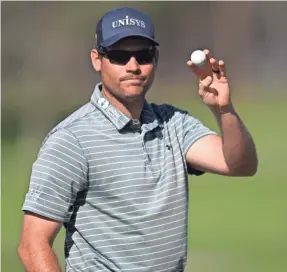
(133, 66)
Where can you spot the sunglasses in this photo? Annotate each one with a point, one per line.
(122, 57)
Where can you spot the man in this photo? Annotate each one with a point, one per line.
(114, 173)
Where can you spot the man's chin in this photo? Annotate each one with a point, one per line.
(134, 90)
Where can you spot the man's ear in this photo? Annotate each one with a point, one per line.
(96, 60)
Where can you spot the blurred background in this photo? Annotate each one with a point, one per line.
(235, 224)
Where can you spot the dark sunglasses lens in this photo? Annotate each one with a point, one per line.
(122, 57)
(119, 57)
(145, 56)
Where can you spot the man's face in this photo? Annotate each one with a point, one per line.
(127, 76)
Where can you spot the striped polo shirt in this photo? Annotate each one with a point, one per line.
(119, 185)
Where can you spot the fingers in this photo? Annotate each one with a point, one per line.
(195, 69)
(204, 85)
(206, 82)
(207, 54)
(200, 72)
(221, 66)
(212, 67)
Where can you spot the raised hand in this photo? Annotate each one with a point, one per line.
(213, 83)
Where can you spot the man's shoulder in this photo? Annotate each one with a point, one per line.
(79, 116)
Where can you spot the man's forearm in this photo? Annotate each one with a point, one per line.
(238, 146)
(39, 257)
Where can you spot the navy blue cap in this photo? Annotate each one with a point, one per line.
(122, 23)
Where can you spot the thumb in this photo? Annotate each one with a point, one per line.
(204, 85)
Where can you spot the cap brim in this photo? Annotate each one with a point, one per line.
(112, 40)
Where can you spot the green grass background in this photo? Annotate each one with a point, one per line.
(235, 224)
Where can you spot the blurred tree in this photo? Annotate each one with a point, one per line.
(46, 51)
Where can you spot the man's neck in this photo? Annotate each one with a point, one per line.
(132, 109)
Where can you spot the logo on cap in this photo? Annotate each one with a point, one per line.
(128, 21)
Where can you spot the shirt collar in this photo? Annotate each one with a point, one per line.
(117, 118)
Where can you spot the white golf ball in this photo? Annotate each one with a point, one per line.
(198, 58)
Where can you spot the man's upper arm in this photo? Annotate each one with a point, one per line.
(38, 229)
(194, 132)
(58, 174)
(206, 155)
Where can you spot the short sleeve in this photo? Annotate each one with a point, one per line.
(188, 130)
(193, 130)
(58, 174)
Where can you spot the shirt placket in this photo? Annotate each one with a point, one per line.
(141, 136)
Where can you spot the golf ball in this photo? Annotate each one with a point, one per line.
(198, 58)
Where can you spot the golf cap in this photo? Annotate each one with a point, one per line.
(122, 23)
